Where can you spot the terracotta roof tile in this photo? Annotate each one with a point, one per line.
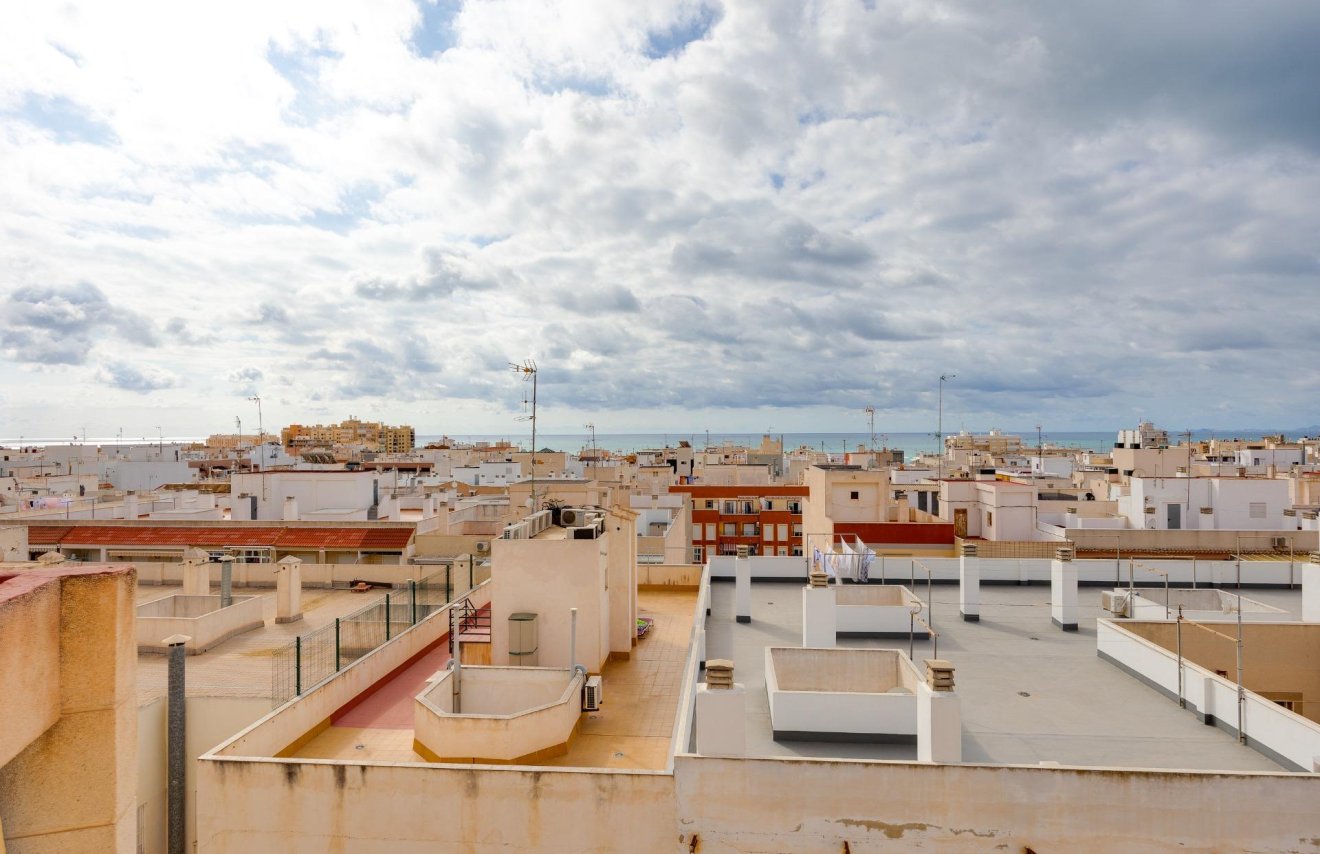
(385, 539)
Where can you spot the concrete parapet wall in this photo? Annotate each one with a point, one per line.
(1144, 650)
(507, 713)
(302, 716)
(682, 576)
(815, 805)
(248, 805)
(199, 617)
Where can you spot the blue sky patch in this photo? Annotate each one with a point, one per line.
(67, 121)
(681, 33)
(435, 34)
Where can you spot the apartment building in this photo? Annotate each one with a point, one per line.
(767, 519)
(372, 435)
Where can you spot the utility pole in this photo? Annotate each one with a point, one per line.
(261, 435)
(940, 450)
(591, 425)
(239, 444)
(1040, 451)
(528, 371)
(160, 441)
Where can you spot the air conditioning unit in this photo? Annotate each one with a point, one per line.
(591, 698)
(1279, 542)
(483, 546)
(572, 517)
(1115, 602)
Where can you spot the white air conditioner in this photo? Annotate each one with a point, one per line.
(591, 698)
(1114, 602)
(572, 517)
(483, 546)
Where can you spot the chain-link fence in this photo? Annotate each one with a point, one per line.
(316, 656)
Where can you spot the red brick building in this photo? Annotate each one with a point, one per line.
(766, 518)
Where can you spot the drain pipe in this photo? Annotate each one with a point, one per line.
(456, 661)
(176, 756)
(226, 581)
(573, 666)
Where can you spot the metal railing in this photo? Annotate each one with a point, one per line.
(321, 653)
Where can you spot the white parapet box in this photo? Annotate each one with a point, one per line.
(721, 720)
(863, 695)
(199, 617)
(969, 584)
(878, 611)
(1063, 594)
(819, 616)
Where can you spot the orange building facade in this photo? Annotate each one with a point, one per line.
(767, 519)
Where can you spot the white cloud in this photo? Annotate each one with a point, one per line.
(751, 209)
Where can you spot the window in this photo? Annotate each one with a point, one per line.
(710, 505)
(750, 529)
(698, 555)
(729, 507)
(854, 495)
(769, 533)
(783, 551)
(989, 518)
(797, 551)
(783, 532)
(797, 529)
(795, 507)
(729, 529)
(747, 507)
(710, 530)
(1257, 509)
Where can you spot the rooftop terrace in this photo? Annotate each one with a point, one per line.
(1030, 693)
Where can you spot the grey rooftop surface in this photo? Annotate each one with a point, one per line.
(1030, 692)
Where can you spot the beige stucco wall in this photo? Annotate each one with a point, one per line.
(548, 577)
(73, 788)
(29, 664)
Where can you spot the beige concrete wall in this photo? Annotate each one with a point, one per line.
(548, 577)
(74, 787)
(663, 575)
(13, 543)
(450, 545)
(250, 806)
(621, 577)
(29, 662)
(1226, 541)
(815, 806)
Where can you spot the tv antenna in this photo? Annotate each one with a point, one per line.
(870, 415)
(528, 371)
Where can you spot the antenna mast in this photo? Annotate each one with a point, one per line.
(528, 371)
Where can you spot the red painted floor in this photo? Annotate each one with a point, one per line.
(389, 704)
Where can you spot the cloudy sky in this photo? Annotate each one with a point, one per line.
(730, 215)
